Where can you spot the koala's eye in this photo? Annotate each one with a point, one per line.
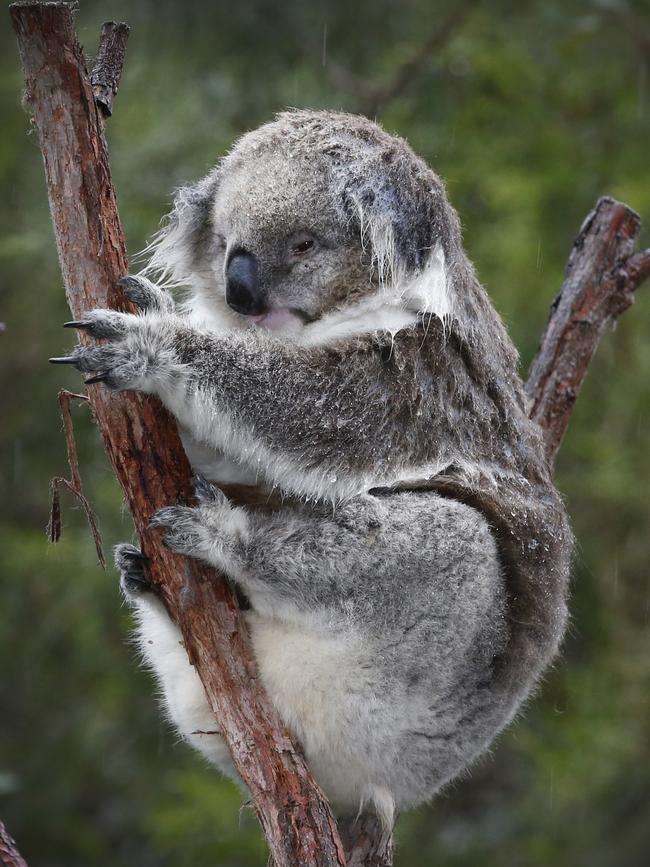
(301, 244)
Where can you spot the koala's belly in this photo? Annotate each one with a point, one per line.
(316, 683)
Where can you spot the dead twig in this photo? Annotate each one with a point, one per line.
(73, 484)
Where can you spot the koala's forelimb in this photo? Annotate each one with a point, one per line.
(239, 391)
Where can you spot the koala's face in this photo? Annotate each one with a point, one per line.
(308, 214)
(284, 253)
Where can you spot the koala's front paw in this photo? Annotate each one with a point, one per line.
(213, 530)
(140, 354)
(129, 562)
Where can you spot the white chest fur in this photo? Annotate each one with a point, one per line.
(214, 465)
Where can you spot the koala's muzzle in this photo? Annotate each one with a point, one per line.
(243, 291)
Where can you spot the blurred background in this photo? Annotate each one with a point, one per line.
(529, 112)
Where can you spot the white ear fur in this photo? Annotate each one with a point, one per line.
(376, 230)
(429, 291)
(172, 251)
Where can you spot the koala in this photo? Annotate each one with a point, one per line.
(404, 569)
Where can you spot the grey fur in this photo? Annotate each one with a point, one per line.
(421, 542)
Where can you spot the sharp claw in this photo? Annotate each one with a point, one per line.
(100, 377)
(138, 556)
(201, 484)
(204, 490)
(63, 359)
(77, 324)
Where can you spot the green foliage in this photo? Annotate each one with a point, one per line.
(530, 112)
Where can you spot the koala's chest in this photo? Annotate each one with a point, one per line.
(214, 465)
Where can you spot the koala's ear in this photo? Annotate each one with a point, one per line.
(177, 249)
(399, 209)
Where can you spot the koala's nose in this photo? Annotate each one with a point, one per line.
(243, 292)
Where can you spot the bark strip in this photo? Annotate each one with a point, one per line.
(142, 442)
(73, 484)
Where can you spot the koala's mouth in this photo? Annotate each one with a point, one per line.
(285, 319)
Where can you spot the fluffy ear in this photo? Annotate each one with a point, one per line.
(177, 249)
(406, 224)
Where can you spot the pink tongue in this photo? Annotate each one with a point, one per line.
(275, 320)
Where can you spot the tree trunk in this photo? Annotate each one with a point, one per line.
(143, 445)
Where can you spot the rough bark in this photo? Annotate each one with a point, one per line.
(599, 283)
(9, 854)
(367, 843)
(143, 445)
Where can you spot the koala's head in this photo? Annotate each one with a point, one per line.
(309, 214)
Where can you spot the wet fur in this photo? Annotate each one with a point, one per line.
(408, 575)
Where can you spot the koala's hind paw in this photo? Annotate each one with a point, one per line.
(146, 295)
(130, 561)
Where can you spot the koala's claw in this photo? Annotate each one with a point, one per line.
(100, 377)
(77, 323)
(146, 295)
(101, 323)
(202, 531)
(139, 355)
(207, 493)
(63, 359)
(130, 562)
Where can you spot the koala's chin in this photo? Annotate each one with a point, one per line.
(280, 321)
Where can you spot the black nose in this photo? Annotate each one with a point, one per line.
(242, 285)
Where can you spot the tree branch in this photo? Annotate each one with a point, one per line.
(9, 854)
(143, 445)
(599, 283)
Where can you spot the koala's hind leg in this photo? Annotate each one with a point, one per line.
(375, 556)
(161, 645)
